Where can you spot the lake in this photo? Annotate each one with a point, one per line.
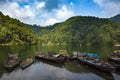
(43, 70)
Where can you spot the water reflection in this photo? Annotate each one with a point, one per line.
(81, 68)
(51, 63)
(43, 70)
(75, 67)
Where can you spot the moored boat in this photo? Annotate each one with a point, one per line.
(26, 62)
(115, 57)
(73, 56)
(54, 58)
(63, 53)
(96, 63)
(12, 62)
(39, 56)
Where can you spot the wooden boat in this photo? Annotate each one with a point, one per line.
(99, 65)
(54, 58)
(72, 57)
(26, 62)
(40, 56)
(12, 62)
(115, 57)
(63, 53)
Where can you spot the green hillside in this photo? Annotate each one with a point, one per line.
(116, 18)
(81, 30)
(76, 30)
(13, 32)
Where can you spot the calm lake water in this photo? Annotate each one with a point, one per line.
(43, 70)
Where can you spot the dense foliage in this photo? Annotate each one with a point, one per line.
(81, 30)
(76, 30)
(13, 32)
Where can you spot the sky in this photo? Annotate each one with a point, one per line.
(49, 12)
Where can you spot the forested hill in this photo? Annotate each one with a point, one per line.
(116, 18)
(82, 30)
(13, 31)
(76, 30)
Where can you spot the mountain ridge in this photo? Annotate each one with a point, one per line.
(76, 30)
(116, 18)
(80, 30)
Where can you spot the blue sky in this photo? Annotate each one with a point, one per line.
(48, 12)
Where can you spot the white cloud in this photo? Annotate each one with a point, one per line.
(51, 21)
(14, 10)
(40, 5)
(25, 13)
(36, 13)
(110, 7)
(64, 13)
(58, 15)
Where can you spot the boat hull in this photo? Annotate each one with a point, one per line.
(9, 68)
(116, 61)
(51, 59)
(98, 67)
(24, 64)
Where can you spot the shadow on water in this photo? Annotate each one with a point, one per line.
(74, 67)
(43, 71)
(50, 63)
(107, 76)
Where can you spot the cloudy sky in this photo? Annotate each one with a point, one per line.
(48, 12)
